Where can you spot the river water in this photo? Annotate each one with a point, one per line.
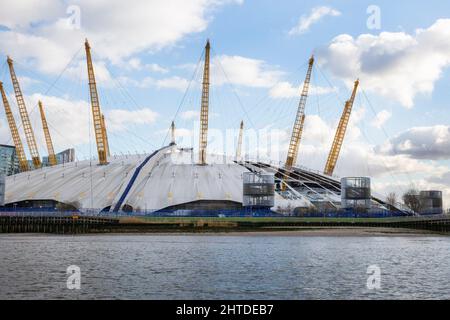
(223, 267)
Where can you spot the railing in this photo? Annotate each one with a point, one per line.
(244, 212)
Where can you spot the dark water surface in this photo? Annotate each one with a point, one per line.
(223, 267)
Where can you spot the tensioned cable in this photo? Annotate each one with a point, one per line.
(50, 87)
(382, 127)
(389, 171)
(184, 95)
(329, 83)
(57, 78)
(234, 90)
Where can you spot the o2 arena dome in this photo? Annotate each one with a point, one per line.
(172, 178)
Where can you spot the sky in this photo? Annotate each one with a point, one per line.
(148, 65)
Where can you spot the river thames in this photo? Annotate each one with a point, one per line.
(224, 267)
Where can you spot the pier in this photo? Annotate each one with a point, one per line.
(59, 224)
(79, 224)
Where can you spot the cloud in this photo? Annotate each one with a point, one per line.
(396, 65)
(389, 172)
(20, 14)
(183, 132)
(70, 121)
(40, 33)
(442, 179)
(316, 14)
(190, 114)
(357, 157)
(244, 71)
(78, 71)
(381, 118)
(285, 89)
(36, 52)
(118, 119)
(136, 64)
(431, 143)
(174, 82)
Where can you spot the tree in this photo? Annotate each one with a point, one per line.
(411, 199)
(391, 199)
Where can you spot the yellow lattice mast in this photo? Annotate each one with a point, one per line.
(105, 135)
(204, 109)
(23, 163)
(340, 133)
(239, 144)
(299, 120)
(172, 134)
(29, 133)
(96, 111)
(48, 139)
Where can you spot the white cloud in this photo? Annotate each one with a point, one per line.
(359, 158)
(183, 133)
(381, 118)
(442, 179)
(285, 89)
(317, 14)
(174, 82)
(190, 114)
(41, 35)
(136, 64)
(118, 119)
(397, 65)
(20, 14)
(78, 71)
(156, 68)
(36, 52)
(420, 143)
(70, 121)
(244, 72)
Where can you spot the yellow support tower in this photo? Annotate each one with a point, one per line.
(29, 133)
(299, 120)
(239, 144)
(23, 162)
(204, 109)
(340, 133)
(172, 133)
(105, 135)
(48, 139)
(96, 111)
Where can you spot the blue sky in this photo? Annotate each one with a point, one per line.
(147, 52)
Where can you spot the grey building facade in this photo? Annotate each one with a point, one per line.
(9, 162)
(65, 156)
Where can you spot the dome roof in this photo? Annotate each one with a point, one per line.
(165, 178)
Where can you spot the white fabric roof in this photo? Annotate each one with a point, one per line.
(169, 178)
